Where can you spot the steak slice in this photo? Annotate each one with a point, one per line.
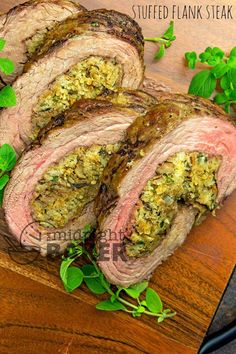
(101, 34)
(86, 124)
(25, 26)
(178, 124)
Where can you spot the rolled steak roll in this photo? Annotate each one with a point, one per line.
(52, 189)
(25, 26)
(177, 164)
(82, 57)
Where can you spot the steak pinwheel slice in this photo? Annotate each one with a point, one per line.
(52, 190)
(83, 57)
(25, 26)
(178, 163)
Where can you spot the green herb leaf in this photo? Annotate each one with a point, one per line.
(160, 319)
(233, 52)
(74, 278)
(219, 70)
(225, 82)
(2, 44)
(169, 33)
(6, 66)
(154, 303)
(232, 62)
(3, 181)
(191, 58)
(221, 98)
(94, 284)
(131, 292)
(227, 107)
(231, 78)
(7, 157)
(204, 57)
(7, 97)
(233, 95)
(137, 289)
(160, 53)
(1, 197)
(141, 309)
(165, 41)
(64, 269)
(203, 84)
(110, 306)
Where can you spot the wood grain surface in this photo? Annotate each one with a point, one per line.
(37, 316)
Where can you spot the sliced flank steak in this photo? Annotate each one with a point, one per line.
(55, 182)
(84, 56)
(177, 164)
(25, 26)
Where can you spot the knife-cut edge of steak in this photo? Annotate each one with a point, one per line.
(88, 122)
(177, 123)
(27, 21)
(108, 40)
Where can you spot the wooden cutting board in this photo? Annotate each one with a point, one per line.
(36, 314)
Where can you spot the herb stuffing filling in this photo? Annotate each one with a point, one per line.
(188, 178)
(87, 79)
(69, 185)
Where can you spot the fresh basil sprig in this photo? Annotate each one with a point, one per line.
(7, 94)
(7, 162)
(145, 300)
(165, 41)
(221, 73)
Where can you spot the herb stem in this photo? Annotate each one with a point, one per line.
(156, 40)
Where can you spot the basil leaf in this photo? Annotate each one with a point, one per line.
(7, 157)
(110, 306)
(74, 278)
(3, 181)
(203, 84)
(160, 53)
(7, 97)
(220, 70)
(2, 44)
(154, 303)
(6, 66)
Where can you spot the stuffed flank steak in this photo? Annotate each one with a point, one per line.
(82, 57)
(177, 164)
(25, 26)
(54, 184)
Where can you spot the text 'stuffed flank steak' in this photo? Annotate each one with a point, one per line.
(25, 26)
(177, 164)
(82, 57)
(55, 182)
